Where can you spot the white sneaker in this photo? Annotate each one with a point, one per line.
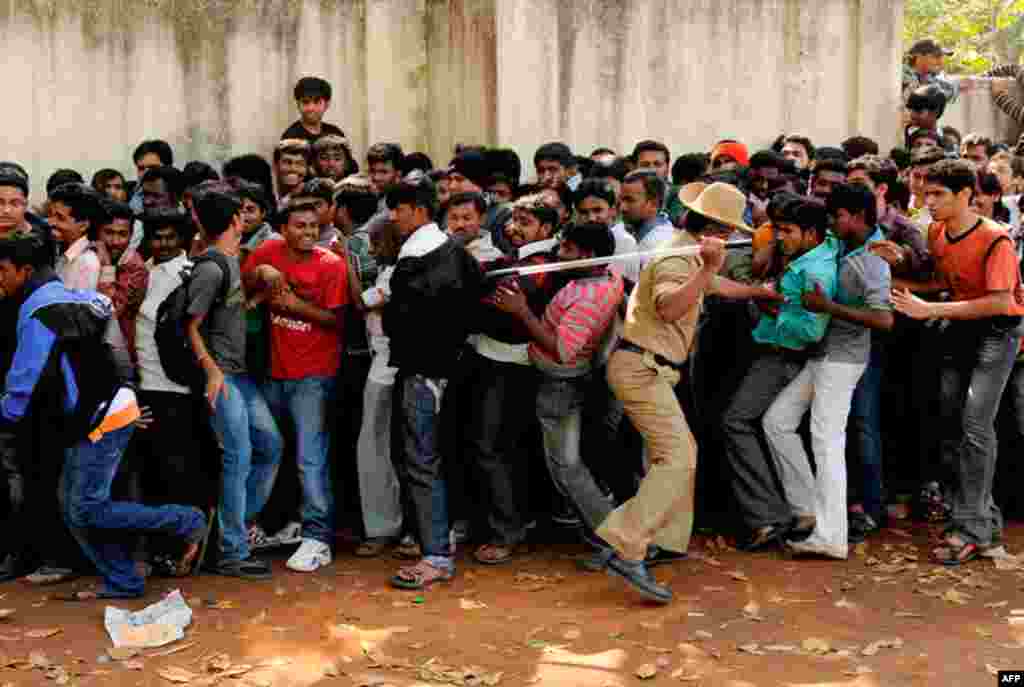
(310, 555)
(289, 534)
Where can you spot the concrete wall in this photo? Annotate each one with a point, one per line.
(86, 81)
(975, 111)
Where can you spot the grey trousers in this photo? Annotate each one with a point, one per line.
(973, 381)
(560, 412)
(755, 489)
(379, 491)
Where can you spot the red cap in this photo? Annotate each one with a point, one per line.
(737, 151)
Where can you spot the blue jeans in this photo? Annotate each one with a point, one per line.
(307, 401)
(865, 435)
(421, 425)
(104, 528)
(252, 448)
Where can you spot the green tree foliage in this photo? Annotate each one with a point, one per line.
(984, 33)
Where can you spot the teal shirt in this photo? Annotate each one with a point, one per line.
(795, 328)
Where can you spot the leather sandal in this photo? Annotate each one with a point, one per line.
(420, 576)
(494, 554)
(955, 551)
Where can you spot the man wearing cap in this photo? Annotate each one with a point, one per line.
(728, 155)
(659, 331)
(923, 67)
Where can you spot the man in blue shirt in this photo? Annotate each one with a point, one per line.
(784, 340)
(63, 374)
(826, 384)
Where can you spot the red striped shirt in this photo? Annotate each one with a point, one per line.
(579, 314)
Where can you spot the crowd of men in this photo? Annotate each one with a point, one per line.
(294, 346)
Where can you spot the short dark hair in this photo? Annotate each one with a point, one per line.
(928, 98)
(956, 175)
(312, 87)
(415, 160)
(535, 205)
(320, 188)
(803, 141)
(252, 168)
(651, 146)
(856, 146)
(216, 211)
(61, 177)
(767, 158)
(115, 209)
(556, 151)
(952, 131)
(293, 146)
(930, 134)
(901, 156)
(361, 203)
(103, 177)
(23, 247)
(594, 188)
(689, 168)
(160, 218)
(781, 205)
(13, 174)
(927, 155)
(602, 151)
(989, 184)
(284, 214)
(474, 199)
(247, 190)
(879, 169)
(653, 185)
(196, 172)
(811, 214)
(829, 153)
(830, 164)
(856, 199)
(975, 139)
(593, 237)
(417, 191)
(173, 178)
(385, 152)
(162, 149)
(898, 195)
(84, 203)
(616, 169)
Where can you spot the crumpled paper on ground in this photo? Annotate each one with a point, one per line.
(156, 625)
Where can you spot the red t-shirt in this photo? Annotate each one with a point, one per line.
(299, 348)
(977, 263)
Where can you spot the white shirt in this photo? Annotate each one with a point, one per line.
(374, 298)
(163, 279)
(425, 239)
(624, 243)
(79, 266)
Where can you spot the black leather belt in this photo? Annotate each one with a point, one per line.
(658, 358)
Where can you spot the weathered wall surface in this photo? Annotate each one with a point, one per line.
(84, 82)
(975, 111)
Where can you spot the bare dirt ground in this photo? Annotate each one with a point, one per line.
(885, 618)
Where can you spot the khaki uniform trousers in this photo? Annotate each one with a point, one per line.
(661, 513)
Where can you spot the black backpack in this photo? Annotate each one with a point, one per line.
(172, 344)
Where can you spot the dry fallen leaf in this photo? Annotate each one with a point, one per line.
(6, 613)
(176, 674)
(133, 665)
(702, 634)
(752, 609)
(815, 645)
(996, 604)
(781, 648)
(873, 648)
(471, 604)
(120, 653)
(572, 634)
(646, 671)
(983, 632)
(751, 648)
(43, 633)
(654, 627)
(859, 670)
(684, 675)
(493, 679)
(218, 663)
(37, 659)
(221, 605)
(956, 597)
(843, 603)
(992, 670)
(738, 575)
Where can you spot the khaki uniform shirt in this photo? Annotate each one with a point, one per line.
(643, 326)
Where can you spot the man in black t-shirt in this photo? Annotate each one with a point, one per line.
(313, 97)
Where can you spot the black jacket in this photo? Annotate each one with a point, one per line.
(428, 317)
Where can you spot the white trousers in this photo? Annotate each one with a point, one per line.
(826, 389)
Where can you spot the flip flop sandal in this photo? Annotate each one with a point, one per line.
(81, 595)
(420, 576)
(46, 576)
(764, 537)
(494, 554)
(371, 548)
(408, 552)
(951, 555)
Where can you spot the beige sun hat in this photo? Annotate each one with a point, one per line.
(723, 203)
